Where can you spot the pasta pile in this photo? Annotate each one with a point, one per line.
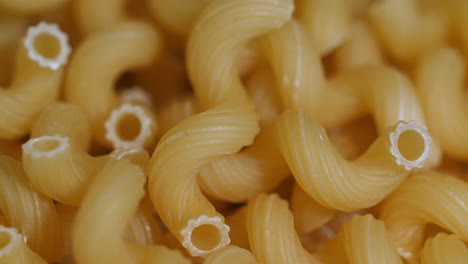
(233, 131)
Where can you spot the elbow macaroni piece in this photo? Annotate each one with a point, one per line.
(230, 255)
(424, 198)
(110, 52)
(91, 18)
(28, 211)
(336, 183)
(36, 81)
(229, 123)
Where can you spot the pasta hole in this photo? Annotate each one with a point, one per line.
(128, 127)
(47, 45)
(411, 144)
(46, 144)
(5, 239)
(206, 237)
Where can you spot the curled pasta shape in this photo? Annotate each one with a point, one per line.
(405, 30)
(339, 184)
(14, 250)
(229, 123)
(123, 47)
(424, 198)
(56, 159)
(31, 213)
(327, 21)
(440, 78)
(97, 239)
(41, 58)
(30, 7)
(444, 248)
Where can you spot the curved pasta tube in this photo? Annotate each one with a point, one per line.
(272, 237)
(13, 249)
(425, 198)
(30, 7)
(37, 79)
(230, 255)
(363, 240)
(177, 16)
(12, 29)
(28, 211)
(444, 248)
(91, 19)
(404, 30)
(440, 78)
(55, 158)
(109, 53)
(327, 21)
(229, 123)
(176, 111)
(339, 184)
(99, 228)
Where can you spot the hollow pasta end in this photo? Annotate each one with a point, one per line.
(9, 239)
(135, 136)
(45, 146)
(410, 144)
(51, 30)
(213, 223)
(136, 95)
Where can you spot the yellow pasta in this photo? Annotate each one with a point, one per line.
(100, 240)
(30, 6)
(36, 82)
(425, 198)
(230, 255)
(31, 213)
(227, 125)
(440, 82)
(91, 18)
(13, 250)
(336, 183)
(110, 52)
(444, 248)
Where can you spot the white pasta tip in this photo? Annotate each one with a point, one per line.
(53, 30)
(137, 95)
(404, 254)
(9, 239)
(45, 146)
(395, 150)
(112, 126)
(192, 224)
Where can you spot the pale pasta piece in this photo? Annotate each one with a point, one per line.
(13, 249)
(271, 232)
(389, 96)
(336, 183)
(144, 228)
(30, 7)
(56, 159)
(136, 155)
(131, 125)
(12, 29)
(229, 123)
(237, 221)
(440, 83)
(363, 240)
(36, 82)
(176, 15)
(404, 30)
(90, 17)
(231, 255)
(99, 228)
(137, 95)
(424, 198)
(28, 211)
(176, 111)
(97, 63)
(327, 21)
(308, 214)
(444, 248)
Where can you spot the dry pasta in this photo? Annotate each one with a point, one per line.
(14, 249)
(444, 248)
